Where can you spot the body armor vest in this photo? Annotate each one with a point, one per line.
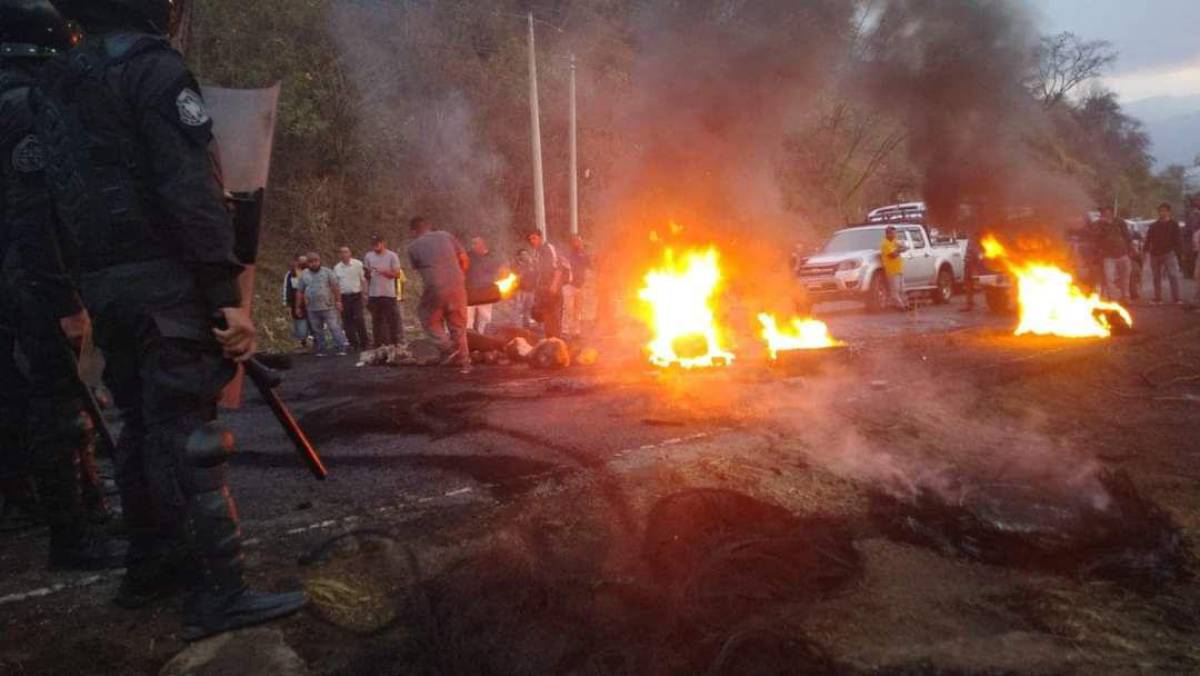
(14, 85)
(97, 169)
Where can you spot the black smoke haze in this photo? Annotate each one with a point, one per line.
(954, 72)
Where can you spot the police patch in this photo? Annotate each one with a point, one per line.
(191, 108)
(29, 155)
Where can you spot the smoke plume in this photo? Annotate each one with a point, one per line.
(955, 73)
(419, 141)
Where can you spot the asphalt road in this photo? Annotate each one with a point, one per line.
(425, 450)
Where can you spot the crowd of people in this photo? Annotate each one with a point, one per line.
(1115, 258)
(1119, 256)
(327, 304)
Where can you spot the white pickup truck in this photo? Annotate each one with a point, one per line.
(849, 267)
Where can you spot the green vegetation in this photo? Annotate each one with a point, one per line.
(394, 107)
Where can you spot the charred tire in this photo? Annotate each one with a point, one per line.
(877, 293)
(945, 287)
(997, 300)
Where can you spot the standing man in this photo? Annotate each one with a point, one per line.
(1162, 245)
(549, 273)
(384, 272)
(1188, 255)
(891, 252)
(321, 299)
(972, 268)
(523, 266)
(442, 264)
(1196, 271)
(352, 280)
(291, 299)
(138, 194)
(44, 430)
(574, 287)
(1114, 245)
(485, 269)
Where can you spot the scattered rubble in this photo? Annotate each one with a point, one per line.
(260, 651)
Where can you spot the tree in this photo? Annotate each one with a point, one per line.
(1064, 62)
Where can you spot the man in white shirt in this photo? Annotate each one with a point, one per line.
(352, 280)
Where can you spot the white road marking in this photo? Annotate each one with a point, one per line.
(42, 592)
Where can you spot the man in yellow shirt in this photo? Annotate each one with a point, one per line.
(890, 251)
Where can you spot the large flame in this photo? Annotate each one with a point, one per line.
(1050, 303)
(680, 298)
(803, 334)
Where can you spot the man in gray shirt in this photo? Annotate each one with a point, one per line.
(383, 269)
(321, 298)
(442, 263)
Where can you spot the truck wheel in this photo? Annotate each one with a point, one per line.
(945, 287)
(877, 293)
(997, 300)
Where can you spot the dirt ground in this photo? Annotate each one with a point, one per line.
(614, 519)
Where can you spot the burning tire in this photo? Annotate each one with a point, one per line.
(997, 300)
(945, 287)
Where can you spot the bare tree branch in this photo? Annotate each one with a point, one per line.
(1064, 62)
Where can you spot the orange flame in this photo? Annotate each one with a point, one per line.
(803, 334)
(680, 299)
(1050, 303)
(507, 285)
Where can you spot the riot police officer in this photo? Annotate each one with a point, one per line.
(138, 193)
(41, 409)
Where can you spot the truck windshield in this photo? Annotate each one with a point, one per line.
(854, 240)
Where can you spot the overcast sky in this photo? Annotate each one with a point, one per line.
(1159, 41)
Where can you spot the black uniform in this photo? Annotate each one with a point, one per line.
(140, 199)
(35, 292)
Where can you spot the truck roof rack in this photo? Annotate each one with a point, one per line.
(913, 212)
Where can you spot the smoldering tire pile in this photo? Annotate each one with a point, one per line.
(1122, 537)
(717, 583)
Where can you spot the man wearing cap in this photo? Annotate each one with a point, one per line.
(384, 267)
(550, 271)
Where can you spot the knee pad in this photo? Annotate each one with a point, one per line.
(207, 451)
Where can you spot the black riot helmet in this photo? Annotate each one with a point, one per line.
(155, 16)
(32, 29)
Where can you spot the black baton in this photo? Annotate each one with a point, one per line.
(266, 380)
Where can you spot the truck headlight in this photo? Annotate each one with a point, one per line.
(846, 266)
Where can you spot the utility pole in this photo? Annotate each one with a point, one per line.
(539, 186)
(574, 157)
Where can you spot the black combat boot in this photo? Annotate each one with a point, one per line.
(20, 515)
(21, 510)
(85, 550)
(218, 599)
(154, 571)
